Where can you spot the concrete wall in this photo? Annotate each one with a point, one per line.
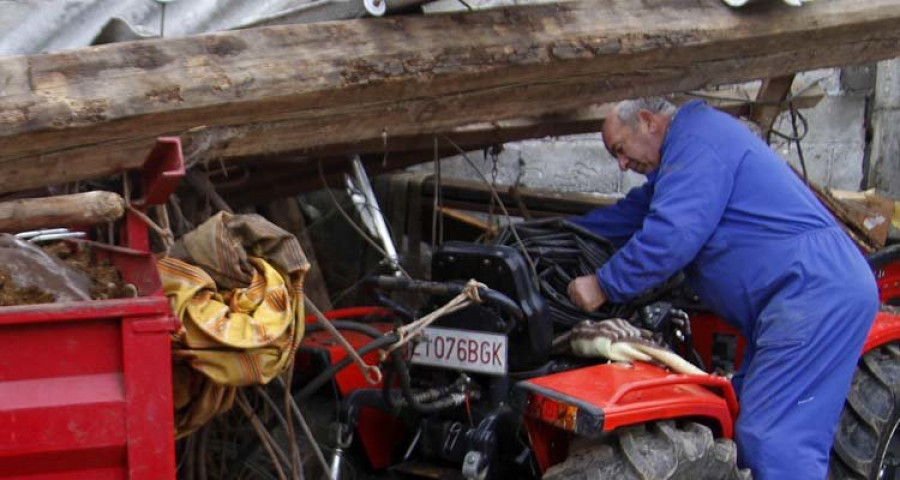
(885, 152)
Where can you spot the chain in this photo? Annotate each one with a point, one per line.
(495, 171)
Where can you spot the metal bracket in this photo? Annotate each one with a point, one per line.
(475, 466)
(163, 170)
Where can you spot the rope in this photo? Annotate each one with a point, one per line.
(165, 233)
(371, 373)
(410, 331)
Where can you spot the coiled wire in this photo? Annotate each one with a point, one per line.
(562, 251)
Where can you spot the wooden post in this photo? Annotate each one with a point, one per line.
(286, 214)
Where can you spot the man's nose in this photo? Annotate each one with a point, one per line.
(623, 162)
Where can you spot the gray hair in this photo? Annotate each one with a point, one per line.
(627, 110)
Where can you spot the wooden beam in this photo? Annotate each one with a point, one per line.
(91, 112)
(737, 101)
(769, 100)
(261, 179)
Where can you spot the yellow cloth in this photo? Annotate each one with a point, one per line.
(231, 336)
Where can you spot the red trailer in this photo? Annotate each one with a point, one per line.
(86, 387)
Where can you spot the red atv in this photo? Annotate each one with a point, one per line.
(484, 393)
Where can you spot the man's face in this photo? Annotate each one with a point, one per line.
(635, 148)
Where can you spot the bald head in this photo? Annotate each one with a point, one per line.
(633, 133)
(627, 110)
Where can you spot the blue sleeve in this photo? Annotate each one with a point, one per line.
(620, 221)
(691, 192)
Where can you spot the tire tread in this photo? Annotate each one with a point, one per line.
(870, 412)
(662, 450)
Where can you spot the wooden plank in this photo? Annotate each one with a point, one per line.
(467, 219)
(91, 112)
(538, 201)
(286, 214)
(868, 210)
(856, 231)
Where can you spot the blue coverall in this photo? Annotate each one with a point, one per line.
(761, 251)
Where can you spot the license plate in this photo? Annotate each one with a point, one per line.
(462, 350)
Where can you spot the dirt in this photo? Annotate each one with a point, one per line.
(12, 295)
(106, 282)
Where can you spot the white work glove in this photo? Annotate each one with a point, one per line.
(620, 341)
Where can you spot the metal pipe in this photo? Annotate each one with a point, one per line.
(57, 236)
(325, 10)
(377, 218)
(35, 233)
(378, 8)
(336, 463)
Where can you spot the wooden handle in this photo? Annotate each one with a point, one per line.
(79, 209)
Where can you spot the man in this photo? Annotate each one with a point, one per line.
(760, 250)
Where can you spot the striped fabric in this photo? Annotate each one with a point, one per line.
(237, 287)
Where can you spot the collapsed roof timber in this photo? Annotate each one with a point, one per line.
(288, 90)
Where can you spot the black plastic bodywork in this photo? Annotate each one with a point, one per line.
(503, 269)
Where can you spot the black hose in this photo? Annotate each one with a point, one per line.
(561, 252)
(350, 325)
(323, 377)
(381, 340)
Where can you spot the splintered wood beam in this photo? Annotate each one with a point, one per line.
(85, 113)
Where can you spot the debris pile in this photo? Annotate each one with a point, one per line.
(58, 272)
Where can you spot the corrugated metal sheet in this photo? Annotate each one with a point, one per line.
(33, 26)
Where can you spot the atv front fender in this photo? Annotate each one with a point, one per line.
(885, 329)
(596, 400)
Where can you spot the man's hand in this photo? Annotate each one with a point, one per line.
(586, 294)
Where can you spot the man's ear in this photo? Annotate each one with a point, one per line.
(647, 120)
